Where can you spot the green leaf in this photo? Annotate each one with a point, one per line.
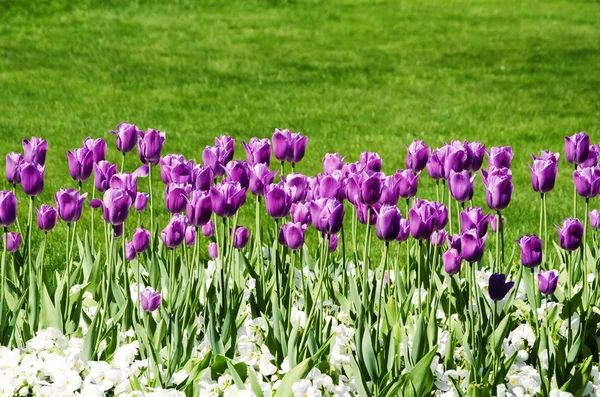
(421, 376)
(294, 375)
(368, 353)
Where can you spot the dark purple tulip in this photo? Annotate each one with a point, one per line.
(367, 215)
(129, 251)
(140, 240)
(150, 145)
(327, 215)
(149, 300)
(208, 229)
(213, 250)
(127, 135)
(238, 171)
(202, 178)
(417, 156)
(141, 202)
(472, 246)
(330, 186)
(12, 241)
(277, 200)
(452, 261)
(8, 208)
(461, 185)
(297, 186)
(81, 163)
(333, 242)
(227, 198)
(531, 250)
(438, 238)
(69, 203)
(455, 157)
(332, 162)
(199, 208)
(547, 282)
(174, 168)
(587, 181)
(190, 236)
(35, 150)
(371, 161)
(592, 159)
(500, 157)
(408, 183)
(32, 178)
(118, 231)
(174, 233)
(128, 182)
(14, 161)
(46, 217)
(473, 218)
(594, 219)
(240, 237)
(421, 217)
(498, 287)
(289, 147)
(214, 157)
(260, 176)
(577, 148)
(97, 147)
(435, 165)
(258, 151)
(176, 197)
(494, 222)
(291, 235)
(389, 190)
(498, 187)
(475, 154)
(228, 144)
(300, 213)
(440, 215)
(543, 174)
(570, 235)
(313, 190)
(454, 242)
(387, 225)
(103, 172)
(116, 204)
(404, 231)
(371, 185)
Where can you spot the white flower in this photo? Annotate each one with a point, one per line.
(265, 366)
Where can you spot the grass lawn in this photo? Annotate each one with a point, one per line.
(352, 75)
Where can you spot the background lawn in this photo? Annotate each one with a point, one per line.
(352, 75)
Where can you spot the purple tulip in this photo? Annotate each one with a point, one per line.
(365, 188)
(202, 178)
(46, 217)
(587, 181)
(141, 202)
(594, 219)
(208, 229)
(549, 155)
(498, 287)
(8, 208)
(176, 197)
(127, 135)
(452, 261)
(35, 150)
(103, 172)
(300, 213)
(454, 242)
(116, 204)
(69, 203)
(150, 145)
(149, 300)
(473, 218)
(455, 157)
(475, 154)
(140, 240)
(237, 171)
(128, 182)
(12, 241)
(500, 157)
(417, 156)
(174, 233)
(277, 200)
(118, 231)
(438, 238)
(190, 236)
(313, 190)
(499, 187)
(199, 208)
(97, 147)
(214, 157)
(531, 250)
(14, 161)
(130, 253)
(408, 183)
(258, 151)
(570, 235)
(494, 222)
(435, 165)
(327, 215)
(227, 198)
(287, 146)
(440, 215)
(174, 168)
(367, 215)
(330, 186)
(421, 217)
(577, 148)
(333, 242)
(32, 178)
(461, 185)
(260, 176)
(332, 162)
(592, 159)
(228, 144)
(371, 161)
(213, 250)
(297, 186)
(291, 235)
(240, 237)
(543, 173)
(81, 163)
(387, 225)
(404, 232)
(547, 282)
(472, 246)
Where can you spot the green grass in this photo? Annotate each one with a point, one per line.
(352, 75)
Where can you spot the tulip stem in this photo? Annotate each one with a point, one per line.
(498, 220)
(151, 206)
(3, 294)
(450, 209)
(575, 197)
(545, 225)
(258, 237)
(123, 163)
(366, 260)
(93, 197)
(583, 264)
(570, 291)
(381, 290)
(68, 274)
(29, 231)
(343, 260)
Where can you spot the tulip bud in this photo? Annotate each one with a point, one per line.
(435, 165)
(8, 208)
(438, 238)
(116, 204)
(547, 282)
(417, 156)
(472, 246)
(227, 143)
(69, 203)
(498, 287)
(595, 219)
(388, 223)
(35, 150)
(332, 162)
(287, 146)
(14, 162)
(461, 185)
(570, 234)
(129, 251)
(97, 147)
(32, 178)
(213, 250)
(587, 181)
(208, 229)
(300, 213)
(149, 300)
(46, 217)
(127, 135)
(12, 241)
(577, 148)
(150, 145)
(199, 208)
(140, 240)
(333, 242)
(327, 215)
(500, 157)
(227, 198)
(141, 202)
(291, 235)
(498, 188)
(258, 151)
(452, 261)
(277, 200)
(103, 172)
(190, 236)
(240, 237)
(404, 231)
(176, 197)
(531, 250)
(174, 233)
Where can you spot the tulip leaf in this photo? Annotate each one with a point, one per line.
(368, 355)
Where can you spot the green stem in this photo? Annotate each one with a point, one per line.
(151, 206)
(575, 197)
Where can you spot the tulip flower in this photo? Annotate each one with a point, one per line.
(97, 147)
(333, 242)
(12, 241)
(35, 150)
(594, 219)
(547, 282)
(227, 198)
(417, 156)
(277, 200)
(473, 218)
(365, 188)
(371, 161)
(8, 208)
(46, 217)
(577, 148)
(498, 287)
(330, 186)
(300, 213)
(238, 171)
(130, 253)
(454, 242)
(421, 217)
(115, 204)
(149, 300)
(199, 208)
(313, 189)
(127, 135)
(150, 144)
(543, 174)
(81, 163)
(202, 178)
(69, 203)
(259, 178)
(240, 237)
(190, 236)
(408, 183)
(404, 232)
(14, 162)
(332, 162)
(387, 225)
(32, 178)
(452, 261)
(140, 240)
(174, 168)
(438, 238)
(531, 250)
(228, 144)
(499, 187)
(176, 197)
(435, 165)
(118, 231)
(297, 186)
(174, 233)
(128, 182)
(570, 235)
(472, 246)
(208, 229)
(103, 172)
(475, 154)
(587, 181)
(494, 223)
(367, 215)
(500, 157)
(214, 157)
(213, 250)
(440, 215)
(455, 157)
(592, 159)
(258, 151)
(291, 235)
(461, 185)
(287, 146)
(327, 215)
(141, 202)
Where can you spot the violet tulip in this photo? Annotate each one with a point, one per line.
(594, 219)
(199, 208)
(150, 144)
(115, 204)
(149, 300)
(300, 213)
(475, 154)
(127, 135)
(141, 201)
(500, 157)
(214, 158)
(371, 161)
(202, 178)
(32, 178)
(494, 223)
(404, 232)
(577, 148)
(208, 229)
(498, 187)
(333, 242)
(570, 234)
(548, 282)
(34, 150)
(213, 250)
(128, 182)
(174, 233)
(118, 231)
(473, 218)
(176, 197)
(417, 156)
(330, 186)
(461, 185)
(438, 238)
(288, 146)
(366, 188)
(12, 241)
(587, 181)
(240, 237)
(81, 164)
(421, 218)
(408, 183)
(498, 287)
(14, 162)
(592, 159)
(435, 165)
(130, 253)
(258, 151)
(454, 242)
(174, 168)
(543, 174)
(97, 147)
(531, 250)
(455, 157)
(103, 172)
(387, 225)
(332, 162)
(472, 246)
(228, 144)
(46, 217)
(260, 176)
(69, 203)
(327, 215)
(440, 215)
(297, 186)
(291, 235)
(227, 198)
(452, 261)
(367, 215)
(140, 240)
(8, 208)
(238, 171)
(190, 236)
(277, 200)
